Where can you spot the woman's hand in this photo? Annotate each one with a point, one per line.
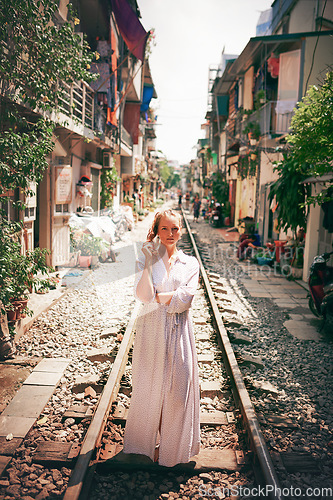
(145, 289)
(150, 250)
(164, 297)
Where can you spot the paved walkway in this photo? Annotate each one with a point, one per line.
(291, 296)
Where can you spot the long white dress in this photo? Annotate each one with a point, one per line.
(165, 369)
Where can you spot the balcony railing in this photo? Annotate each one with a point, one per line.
(269, 120)
(77, 102)
(125, 137)
(283, 122)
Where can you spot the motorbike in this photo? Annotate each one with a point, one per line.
(321, 287)
(217, 218)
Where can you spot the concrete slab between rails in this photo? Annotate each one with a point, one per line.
(18, 426)
(4, 461)
(206, 460)
(29, 402)
(21, 413)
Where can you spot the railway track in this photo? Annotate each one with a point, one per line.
(101, 454)
(234, 457)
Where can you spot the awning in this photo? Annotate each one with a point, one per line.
(223, 105)
(148, 92)
(203, 142)
(148, 79)
(322, 178)
(131, 120)
(132, 31)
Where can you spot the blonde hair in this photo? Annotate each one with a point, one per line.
(156, 222)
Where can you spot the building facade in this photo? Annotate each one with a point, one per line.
(254, 99)
(98, 126)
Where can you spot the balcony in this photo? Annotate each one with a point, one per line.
(77, 102)
(126, 138)
(283, 118)
(270, 121)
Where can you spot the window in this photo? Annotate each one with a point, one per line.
(62, 208)
(30, 213)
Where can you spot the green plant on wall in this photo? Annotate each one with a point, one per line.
(19, 273)
(220, 188)
(245, 112)
(311, 139)
(259, 99)
(37, 57)
(310, 154)
(220, 191)
(208, 154)
(109, 179)
(247, 165)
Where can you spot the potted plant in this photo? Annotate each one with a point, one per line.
(19, 274)
(90, 249)
(245, 113)
(252, 130)
(260, 99)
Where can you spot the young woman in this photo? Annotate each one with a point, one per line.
(165, 396)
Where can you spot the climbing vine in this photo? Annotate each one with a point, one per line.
(220, 188)
(247, 165)
(109, 179)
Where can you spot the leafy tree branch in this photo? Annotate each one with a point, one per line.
(309, 154)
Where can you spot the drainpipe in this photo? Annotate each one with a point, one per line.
(316, 16)
(301, 71)
(256, 218)
(219, 131)
(51, 211)
(264, 218)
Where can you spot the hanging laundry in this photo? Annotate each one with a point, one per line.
(273, 66)
(112, 95)
(103, 83)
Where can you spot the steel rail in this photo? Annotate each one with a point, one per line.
(99, 420)
(241, 395)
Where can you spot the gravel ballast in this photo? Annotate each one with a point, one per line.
(293, 379)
